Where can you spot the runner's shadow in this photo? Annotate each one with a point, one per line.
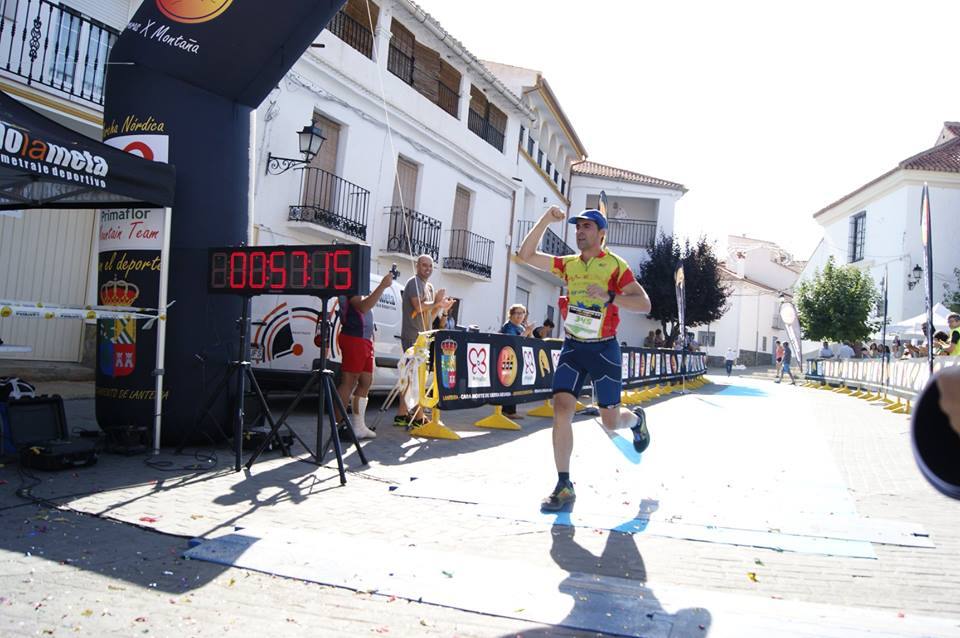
(609, 592)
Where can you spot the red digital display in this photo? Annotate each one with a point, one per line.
(323, 271)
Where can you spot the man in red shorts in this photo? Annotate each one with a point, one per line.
(356, 352)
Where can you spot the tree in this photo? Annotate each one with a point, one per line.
(951, 298)
(706, 294)
(836, 304)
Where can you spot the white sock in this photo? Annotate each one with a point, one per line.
(629, 421)
(358, 418)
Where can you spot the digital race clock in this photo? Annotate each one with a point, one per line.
(320, 271)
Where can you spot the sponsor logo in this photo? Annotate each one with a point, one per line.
(544, 363)
(529, 367)
(478, 365)
(19, 149)
(507, 366)
(193, 11)
(448, 363)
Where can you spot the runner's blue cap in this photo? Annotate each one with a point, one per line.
(593, 215)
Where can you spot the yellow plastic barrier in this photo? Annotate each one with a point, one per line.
(545, 410)
(497, 421)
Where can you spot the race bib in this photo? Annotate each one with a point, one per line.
(583, 323)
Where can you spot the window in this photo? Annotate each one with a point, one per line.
(530, 143)
(706, 339)
(858, 225)
(539, 157)
(485, 120)
(556, 176)
(400, 57)
(405, 186)
(563, 186)
(549, 167)
(763, 348)
(522, 131)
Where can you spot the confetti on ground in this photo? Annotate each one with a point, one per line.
(148, 519)
(753, 576)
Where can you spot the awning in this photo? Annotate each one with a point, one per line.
(44, 164)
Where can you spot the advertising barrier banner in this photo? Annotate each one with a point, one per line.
(474, 369)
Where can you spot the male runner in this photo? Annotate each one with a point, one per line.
(599, 283)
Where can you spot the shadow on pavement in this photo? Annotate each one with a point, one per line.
(609, 592)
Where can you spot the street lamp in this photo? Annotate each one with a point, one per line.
(311, 140)
(915, 276)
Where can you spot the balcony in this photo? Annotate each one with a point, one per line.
(332, 202)
(353, 33)
(447, 99)
(400, 64)
(54, 46)
(469, 253)
(551, 244)
(635, 234)
(483, 128)
(412, 233)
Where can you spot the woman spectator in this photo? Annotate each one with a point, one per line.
(516, 325)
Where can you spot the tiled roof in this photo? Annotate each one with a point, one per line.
(943, 158)
(728, 275)
(594, 169)
(953, 127)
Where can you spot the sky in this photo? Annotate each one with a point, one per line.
(766, 111)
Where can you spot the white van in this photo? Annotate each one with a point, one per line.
(285, 332)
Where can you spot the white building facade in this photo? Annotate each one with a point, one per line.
(759, 274)
(49, 255)
(419, 154)
(876, 228)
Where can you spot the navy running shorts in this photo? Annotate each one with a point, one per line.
(600, 360)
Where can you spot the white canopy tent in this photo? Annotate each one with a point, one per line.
(913, 327)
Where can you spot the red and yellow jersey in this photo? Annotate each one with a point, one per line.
(587, 317)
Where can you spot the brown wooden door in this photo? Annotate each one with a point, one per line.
(405, 186)
(459, 240)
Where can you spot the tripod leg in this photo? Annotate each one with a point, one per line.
(343, 411)
(266, 412)
(283, 418)
(328, 392)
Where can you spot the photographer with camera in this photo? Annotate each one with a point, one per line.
(356, 350)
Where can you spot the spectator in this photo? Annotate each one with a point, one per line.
(954, 341)
(825, 351)
(897, 349)
(516, 325)
(729, 360)
(444, 321)
(658, 341)
(648, 340)
(886, 354)
(545, 331)
(356, 350)
(844, 351)
(517, 322)
(420, 303)
(785, 364)
(873, 352)
(779, 357)
(692, 344)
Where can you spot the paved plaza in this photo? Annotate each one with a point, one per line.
(758, 510)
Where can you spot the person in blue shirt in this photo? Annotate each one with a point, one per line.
(516, 325)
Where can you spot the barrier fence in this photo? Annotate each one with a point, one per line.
(903, 378)
(473, 369)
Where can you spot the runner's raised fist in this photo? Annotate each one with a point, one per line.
(555, 214)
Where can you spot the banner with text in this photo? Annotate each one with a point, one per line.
(474, 369)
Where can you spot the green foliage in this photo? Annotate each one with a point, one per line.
(835, 305)
(951, 298)
(706, 295)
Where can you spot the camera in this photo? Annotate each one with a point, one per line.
(395, 272)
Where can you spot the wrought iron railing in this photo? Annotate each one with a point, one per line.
(412, 233)
(354, 33)
(551, 244)
(55, 46)
(485, 130)
(332, 202)
(400, 64)
(469, 252)
(623, 232)
(448, 99)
